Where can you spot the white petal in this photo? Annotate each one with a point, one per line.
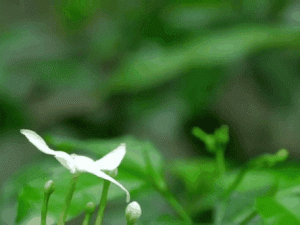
(103, 175)
(37, 141)
(112, 160)
(66, 160)
(82, 162)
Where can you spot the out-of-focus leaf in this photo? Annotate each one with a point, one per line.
(29, 41)
(268, 69)
(275, 213)
(22, 43)
(198, 175)
(240, 204)
(196, 17)
(29, 182)
(256, 9)
(199, 85)
(289, 198)
(166, 222)
(283, 208)
(73, 73)
(74, 15)
(104, 40)
(258, 184)
(152, 67)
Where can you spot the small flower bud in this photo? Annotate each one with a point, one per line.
(222, 134)
(133, 212)
(282, 154)
(90, 207)
(49, 187)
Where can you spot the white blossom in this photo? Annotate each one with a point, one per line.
(80, 164)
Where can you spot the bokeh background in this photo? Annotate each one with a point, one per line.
(153, 69)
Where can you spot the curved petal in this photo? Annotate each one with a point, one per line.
(103, 175)
(112, 160)
(66, 160)
(82, 162)
(37, 141)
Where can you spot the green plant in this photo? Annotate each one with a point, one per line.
(259, 191)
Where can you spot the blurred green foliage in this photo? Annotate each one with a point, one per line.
(109, 47)
(154, 69)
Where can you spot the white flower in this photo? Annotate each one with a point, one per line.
(80, 164)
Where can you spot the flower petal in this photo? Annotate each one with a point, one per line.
(66, 160)
(103, 175)
(82, 162)
(112, 160)
(37, 141)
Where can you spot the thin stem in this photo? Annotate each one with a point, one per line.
(236, 182)
(89, 209)
(130, 223)
(220, 161)
(45, 208)
(63, 215)
(249, 218)
(87, 218)
(176, 206)
(102, 204)
(160, 185)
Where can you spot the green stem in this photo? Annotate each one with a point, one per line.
(220, 161)
(102, 204)
(236, 182)
(63, 215)
(160, 185)
(87, 218)
(89, 209)
(249, 218)
(45, 208)
(130, 223)
(176, 206)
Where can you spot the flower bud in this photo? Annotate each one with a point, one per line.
(90, 207)
(282, 154)
(133, 212)
(222, 134)
(49, 187)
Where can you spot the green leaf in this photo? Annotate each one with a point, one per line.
(155, 66)
(279, 182)
(273, 212)
(28, 183)
(73, 73)
(240, 203)
(198, 176)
